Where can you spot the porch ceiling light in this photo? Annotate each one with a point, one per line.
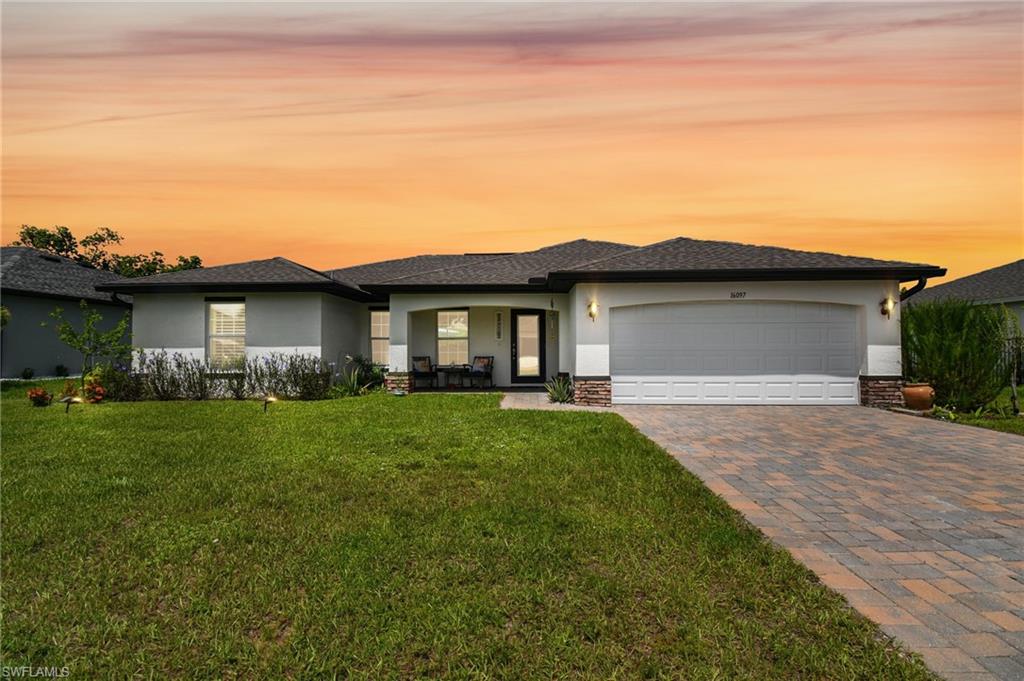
(887, 306)
(592, 310)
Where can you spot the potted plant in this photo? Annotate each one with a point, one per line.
(918, 396)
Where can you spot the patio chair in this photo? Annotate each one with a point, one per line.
(423, 370)
(481, 369)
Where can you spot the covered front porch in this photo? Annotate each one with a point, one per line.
(523, 338)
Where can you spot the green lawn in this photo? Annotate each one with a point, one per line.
(379, 537)
(1006, 424)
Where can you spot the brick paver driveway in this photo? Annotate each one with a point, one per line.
(920, 524)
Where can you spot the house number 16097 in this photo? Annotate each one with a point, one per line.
(738, 294)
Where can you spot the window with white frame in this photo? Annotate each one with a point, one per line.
(452, 337)
(380, 336)
(226, 336)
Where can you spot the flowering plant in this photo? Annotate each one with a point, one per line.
(70, 389)
(39, 397)
(94, 391)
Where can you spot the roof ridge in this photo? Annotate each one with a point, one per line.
(300, 266)
(763, 247)
(392, 260)
(449, 267)
(632, 250)
(499, 256)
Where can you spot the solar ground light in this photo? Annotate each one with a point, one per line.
(68, 401)
(266, 402)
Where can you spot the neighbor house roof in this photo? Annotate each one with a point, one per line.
(550, 268)
(28, 271)
(998, 285)
(272, 274)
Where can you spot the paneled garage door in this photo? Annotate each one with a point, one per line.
(735, 352)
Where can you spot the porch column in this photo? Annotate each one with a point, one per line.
(566, 349)
(398, 356)
(398, 377)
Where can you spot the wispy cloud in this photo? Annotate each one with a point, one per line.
(301, 128)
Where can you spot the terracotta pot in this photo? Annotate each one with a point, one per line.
(918, 396)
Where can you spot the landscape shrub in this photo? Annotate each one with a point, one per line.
(121, 383)
(234, 380)
(296, 376)
(957, 347)
(371, 374)
(194, 377)
(162, 376)
(27, 373)
(160, 380)
(306, 377)
(350, 384)
(266, 375)
(60, 370)
(70, 389)
(94, 390)
(560, 389)
(39, 397)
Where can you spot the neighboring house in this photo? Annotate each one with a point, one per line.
(1003, 285)
(680, 321)
(32, 284)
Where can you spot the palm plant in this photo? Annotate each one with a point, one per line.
(958, 348)
(560, 389)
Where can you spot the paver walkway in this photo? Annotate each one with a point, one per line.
(918, 523)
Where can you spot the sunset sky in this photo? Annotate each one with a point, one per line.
(340, 133)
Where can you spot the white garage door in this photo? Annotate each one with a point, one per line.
(735, 352)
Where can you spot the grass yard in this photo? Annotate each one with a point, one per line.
(379, 537)
(1006, 424)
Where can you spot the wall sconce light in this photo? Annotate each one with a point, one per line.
(266, 402)
(887, 306)
(592, 310)
(68, 401)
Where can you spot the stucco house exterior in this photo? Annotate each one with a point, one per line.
(32, 284)
(676, 322)
(1003, 285)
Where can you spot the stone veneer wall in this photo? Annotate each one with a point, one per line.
(881, 391)
(399, 380)
(593, 391)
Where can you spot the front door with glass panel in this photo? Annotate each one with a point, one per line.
(527, 346)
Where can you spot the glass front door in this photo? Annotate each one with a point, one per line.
(527, 346)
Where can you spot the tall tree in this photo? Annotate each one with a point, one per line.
(95, 250)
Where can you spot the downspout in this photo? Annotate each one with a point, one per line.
(913, 289)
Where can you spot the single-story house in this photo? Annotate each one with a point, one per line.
(32, 284)
(1003, 285)
(679, 321)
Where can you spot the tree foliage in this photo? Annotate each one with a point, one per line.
(95, 250)
(958, 347)
(90, 341)
(5, 316)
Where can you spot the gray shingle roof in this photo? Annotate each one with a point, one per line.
(270, 274)
(999, 284)
(514, 269)
(563, 262)
(683, 253)
(379, 272)
(29, 271)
